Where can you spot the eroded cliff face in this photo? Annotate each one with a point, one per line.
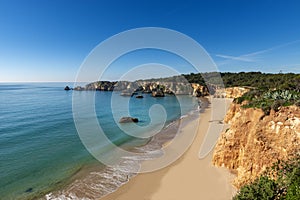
(255, 141)
(199, 90)
(230, 92)
(235, 92)
(180, 87)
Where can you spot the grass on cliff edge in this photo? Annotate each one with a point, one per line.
(285, 186)
(269, 99)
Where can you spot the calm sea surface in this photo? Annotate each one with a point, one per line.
(41, 154)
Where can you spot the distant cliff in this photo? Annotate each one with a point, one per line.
(168, 87)
(255, 141)
(231, 92)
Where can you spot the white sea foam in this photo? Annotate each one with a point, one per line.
(100, 183)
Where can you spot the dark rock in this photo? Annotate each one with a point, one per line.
(67, 88)
(139, 89)
(158, 93)
(128, 119)
(134, 93)
(169, 92)
(139, 96)
(29, 190)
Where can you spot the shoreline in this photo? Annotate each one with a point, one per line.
(78, 185)
(188, 177)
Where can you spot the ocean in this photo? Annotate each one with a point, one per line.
(42, 155)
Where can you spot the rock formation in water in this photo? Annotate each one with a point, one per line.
(128, 120)
(67, 88)
(158, 93)
(255, 141)
(177, 87)
(156, 88)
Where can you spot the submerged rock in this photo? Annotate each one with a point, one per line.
(128, 119)
(29, 190)
(139, 96)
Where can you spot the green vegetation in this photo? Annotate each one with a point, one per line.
(269, 99)
(285, 186)
(268, 91)
(261, 81)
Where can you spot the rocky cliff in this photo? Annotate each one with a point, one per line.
(200, 90)
(168, 87)
(255, 141)
(177, 87)
(235, 92)
(231, 92)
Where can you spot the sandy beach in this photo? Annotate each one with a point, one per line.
(189, 177)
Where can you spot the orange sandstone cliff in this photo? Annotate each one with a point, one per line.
(231, 92)
(234, 92)
(255, 141)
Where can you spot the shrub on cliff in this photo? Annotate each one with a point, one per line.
(267, 100)
(285, 186)
(262, 189)
(264, 81)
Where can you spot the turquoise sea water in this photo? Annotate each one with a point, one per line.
(40, 150)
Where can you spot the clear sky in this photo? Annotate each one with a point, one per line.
(47, 40)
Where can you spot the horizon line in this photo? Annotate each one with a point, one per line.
(147, 78)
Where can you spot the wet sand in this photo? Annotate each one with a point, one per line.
(188, 177)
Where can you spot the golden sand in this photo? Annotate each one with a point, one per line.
(187, 178)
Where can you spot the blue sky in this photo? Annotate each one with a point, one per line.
(47, 40)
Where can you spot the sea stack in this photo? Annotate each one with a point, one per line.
(67, 88)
